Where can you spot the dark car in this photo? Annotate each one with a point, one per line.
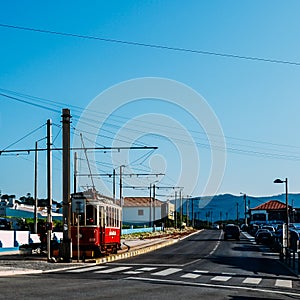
(264, 236)
(232, 231)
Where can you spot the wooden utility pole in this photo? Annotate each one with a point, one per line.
(67, 245)
(35, 186)
(49, 188)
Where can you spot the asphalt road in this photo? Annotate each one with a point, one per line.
(200, 266)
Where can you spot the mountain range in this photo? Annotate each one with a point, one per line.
(229, 207)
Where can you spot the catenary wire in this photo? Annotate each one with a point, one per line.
(155, 46)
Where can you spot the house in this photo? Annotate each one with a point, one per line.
(142, 211)
(272, 211)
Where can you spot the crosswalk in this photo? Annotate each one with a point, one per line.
(159, 272)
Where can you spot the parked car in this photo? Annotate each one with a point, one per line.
(269, 227)
(216, 226)
(231, 231)
(264, 236)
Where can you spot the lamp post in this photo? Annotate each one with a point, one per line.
(287, 211)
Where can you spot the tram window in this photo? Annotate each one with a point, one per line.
(91, 215)
(107, 216)
(101, 216)
(114, 217)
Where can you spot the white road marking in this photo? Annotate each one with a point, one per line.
(132, 272)
(201, 271)
(147, 269)
(251, 280)
(113, 270)
(284, 283)
(81, 270)
(167, 272)
(221, 286)
(191, 275)
(221, 278)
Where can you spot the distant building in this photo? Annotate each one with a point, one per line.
(272, 211)
(142, 211)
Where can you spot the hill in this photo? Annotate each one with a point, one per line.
(227, 206)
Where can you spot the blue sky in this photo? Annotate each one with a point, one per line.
(256, 103)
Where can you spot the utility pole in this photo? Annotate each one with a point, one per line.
(114, 184)
(154, 207)
(49, 188)
(180, 197)
(150, 206)
(75, 173)
(121, 194)
(245, 203)
(67, 245)
(193, 215)
(35, 186)
(175, 210)
(187, 211)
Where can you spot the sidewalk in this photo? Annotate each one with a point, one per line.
(13, 263)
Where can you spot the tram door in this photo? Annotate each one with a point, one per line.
(101, 210)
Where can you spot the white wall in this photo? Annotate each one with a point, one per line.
(130, 214)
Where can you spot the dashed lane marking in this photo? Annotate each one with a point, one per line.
(201, 271)
(132, 272)
(147, 269)
(80, 270)
(167, 272)
(283, 283)
(191, 275)
(250, 280)
(221, 278)
(113, 270)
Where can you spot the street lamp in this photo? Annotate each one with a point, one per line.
(287, 209)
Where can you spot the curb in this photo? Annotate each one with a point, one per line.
(142, 250)
(132, 253)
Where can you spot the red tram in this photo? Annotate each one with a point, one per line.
(95, 225)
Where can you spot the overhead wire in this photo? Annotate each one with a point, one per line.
(153, 46)
(269, 154)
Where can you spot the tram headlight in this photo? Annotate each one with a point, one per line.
(92, 239)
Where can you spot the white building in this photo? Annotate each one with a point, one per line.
(140, 210)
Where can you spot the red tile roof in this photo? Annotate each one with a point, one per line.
(271, 205)
(140, 201)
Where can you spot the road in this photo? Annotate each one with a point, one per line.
(200, 266)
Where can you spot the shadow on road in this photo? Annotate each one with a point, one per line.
(245, 298)
(256, 265)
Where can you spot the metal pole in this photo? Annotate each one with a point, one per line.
(245, 202)
(193, 218)
(180, 196)
(150, 211)
(121, 196)
(187, 211)
(154, 207)
(67, 248)
(114, 184)
(287, 212)
(175, 210)
(49, 188)
(75, 172)
(35, 186)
